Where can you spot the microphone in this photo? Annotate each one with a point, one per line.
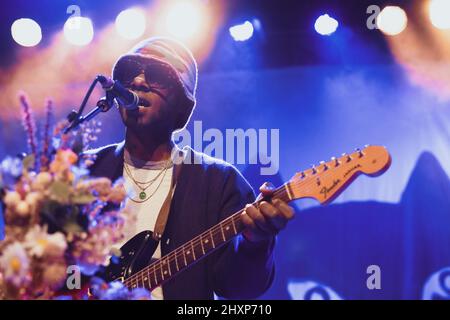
(114, 89)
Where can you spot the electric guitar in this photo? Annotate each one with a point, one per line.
(324, 182)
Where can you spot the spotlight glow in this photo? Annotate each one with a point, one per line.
(130, 23)
(392, 20)
(242, 32)
(326, 25)
(26, 32)
(79, 31)
(440, 13)
(185, 19)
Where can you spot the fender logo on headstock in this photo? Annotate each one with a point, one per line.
(324, 191)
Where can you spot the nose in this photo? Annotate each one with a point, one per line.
(139, 83)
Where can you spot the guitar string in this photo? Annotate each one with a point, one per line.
(172, 256)
(194, 243)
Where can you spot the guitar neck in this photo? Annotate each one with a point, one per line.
(194, 250)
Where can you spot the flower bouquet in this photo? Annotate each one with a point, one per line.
(56, 221)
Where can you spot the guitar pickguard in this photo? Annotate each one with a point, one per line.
(135, 255)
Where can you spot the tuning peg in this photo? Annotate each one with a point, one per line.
(325, 166)
(360, 153)
(336, 161)
(313, 168)
(348, 157)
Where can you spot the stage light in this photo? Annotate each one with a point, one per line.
(440, 13)
(242, 32)
(79, 31)
(185, 19)
(130, 23)
(26, 32)
(392, 20)
(326, 25)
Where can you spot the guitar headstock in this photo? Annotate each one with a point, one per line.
(327, 180)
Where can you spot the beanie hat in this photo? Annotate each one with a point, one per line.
(174, 54)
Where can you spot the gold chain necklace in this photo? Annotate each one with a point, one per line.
(143, 195)
(128, 172)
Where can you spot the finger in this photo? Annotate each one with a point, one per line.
(251, 226)
(259, 220)
(284, 208)
(247, 221)
(273, 216)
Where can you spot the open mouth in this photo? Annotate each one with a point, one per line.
(144, 102)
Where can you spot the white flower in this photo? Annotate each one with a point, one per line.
(40, 243)
(12, 198)
(15, 264)
(23, 209)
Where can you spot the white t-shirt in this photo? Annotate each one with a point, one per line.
(147, 211)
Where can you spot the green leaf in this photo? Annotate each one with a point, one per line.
(60, 191)
(28, 162)
(72, 227)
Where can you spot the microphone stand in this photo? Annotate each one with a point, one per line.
(103, 105)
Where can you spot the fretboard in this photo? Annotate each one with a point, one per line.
(194, 250)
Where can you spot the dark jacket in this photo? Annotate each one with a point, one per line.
(206, 193)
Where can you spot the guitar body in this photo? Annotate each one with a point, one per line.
(136, 254)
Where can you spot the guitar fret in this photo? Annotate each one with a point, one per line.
(193, 251)
(172, 264)
(212, 239)
(176, 261)
(154, 274)
(166, 263)
(234, 227)
(190, 255)
(150, 284)
(201, 244)
(207, 242)
(223, 234)
(146, 280)
(184, 256)
(217, 238)
(228, 231)
(161, 269)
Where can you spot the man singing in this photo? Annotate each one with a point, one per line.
(163, 73)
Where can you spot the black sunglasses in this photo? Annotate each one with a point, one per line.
(158, 75)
